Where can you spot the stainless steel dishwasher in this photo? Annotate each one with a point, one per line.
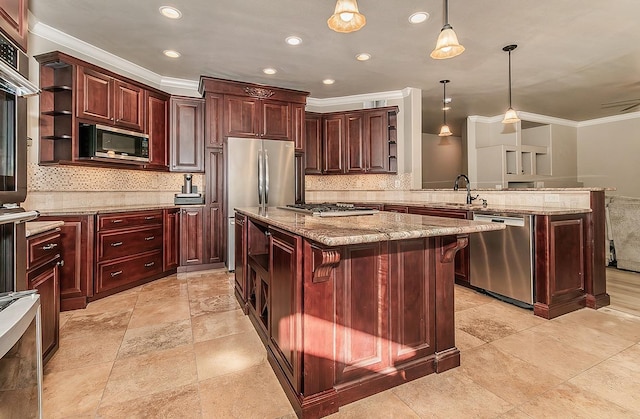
(502, 261)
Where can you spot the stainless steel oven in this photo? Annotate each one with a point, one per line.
(14, 87)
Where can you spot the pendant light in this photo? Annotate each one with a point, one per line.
(444, 131)
(346, 17)
(447, 45)
(511, 115)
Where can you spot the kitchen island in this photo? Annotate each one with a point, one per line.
(349, 306)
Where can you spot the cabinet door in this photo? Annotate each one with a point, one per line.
(298, 128)
(129, 106)
(213, 120)
(95, 96)
(187, 134)
(299, 183)
(333, 132)
(313, 144)
(275, 118)
(46, 281)
(216, 243)
(285, 268)
(157, 128)
(191, 243)
(376, 124)
(355, 144)
(241, 116)
(241, 259)
(13, 21)
(171, 257)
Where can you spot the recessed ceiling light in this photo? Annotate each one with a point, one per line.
(328, 81)
(171, 53)
(363, 56)
(269, 70)
(293, 40)
(419, 17)
(170, 12)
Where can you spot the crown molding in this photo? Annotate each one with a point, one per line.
(525, 116)
(366, 97)
(609, 119)
(54, 35)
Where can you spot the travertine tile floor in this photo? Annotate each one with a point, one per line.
(180, 348)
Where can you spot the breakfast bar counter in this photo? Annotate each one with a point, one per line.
(349, 306)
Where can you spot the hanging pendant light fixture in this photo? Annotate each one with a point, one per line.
(447, 45)
(511, 115)
(346, 17)
(444, 131)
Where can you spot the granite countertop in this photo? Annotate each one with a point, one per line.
(490, 208)
(37, 227)
(89, 210)
(383, 226)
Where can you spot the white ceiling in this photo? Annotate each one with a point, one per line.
(573, 56)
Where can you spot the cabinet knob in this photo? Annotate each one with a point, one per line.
(60, 263)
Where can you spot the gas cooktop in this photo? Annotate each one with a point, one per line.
(330, 210)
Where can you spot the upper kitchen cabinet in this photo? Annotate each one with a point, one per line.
(353, 142)
(13, 21)
(107, 100)
(254, 111)
(75, 92)
(213, 120)
(187, 134)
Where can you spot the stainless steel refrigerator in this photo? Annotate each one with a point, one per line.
(259, 173)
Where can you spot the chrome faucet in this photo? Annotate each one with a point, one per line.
(466, 179)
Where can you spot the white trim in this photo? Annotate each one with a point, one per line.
(345, 100)
(526, 116)
(47, 32)
(609, 119)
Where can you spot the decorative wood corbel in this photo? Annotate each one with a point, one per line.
(324, 261)
(448, 251)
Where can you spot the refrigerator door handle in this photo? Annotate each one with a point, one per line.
(260, 179)
(266, 178)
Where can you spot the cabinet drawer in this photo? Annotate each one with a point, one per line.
(117, 243)
(124, 220)
(43, 247)
(114, 274)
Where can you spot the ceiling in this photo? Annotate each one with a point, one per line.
(573, 56)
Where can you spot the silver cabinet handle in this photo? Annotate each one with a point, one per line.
(61, 263)
(116, 273)
(116, 244)
(260, 179)
(266, 178)
(149, 238)
(49, 246)
(149, 218)
(148, 265)
(116, 221)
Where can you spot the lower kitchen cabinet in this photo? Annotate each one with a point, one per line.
(241, 260)
(191, 230)
(77, 251)
(43, 274)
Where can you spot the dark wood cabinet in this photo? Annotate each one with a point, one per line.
(461, 262)
(13, 21)
(298, 121)
(240, 230)
(77, 251)
(105, 99)
(187, 134)
(257, 118)
(313, 144)
(355, 142)
(214, 106)
(75, 91)
(191, 239)
(43, 274)
(158, 128)
(299, 181)
(215, 246)
(171, 220)
(129, 250)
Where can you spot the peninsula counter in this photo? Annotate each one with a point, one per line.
(349, 306)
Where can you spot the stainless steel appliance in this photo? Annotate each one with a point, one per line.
(502, 261)
(104, 142)
(259, 173)
(330, 210)
(20, 356)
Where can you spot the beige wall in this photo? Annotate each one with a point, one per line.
(609, 155)
(441, 161)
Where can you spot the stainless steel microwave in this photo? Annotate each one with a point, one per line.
(104, 142)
